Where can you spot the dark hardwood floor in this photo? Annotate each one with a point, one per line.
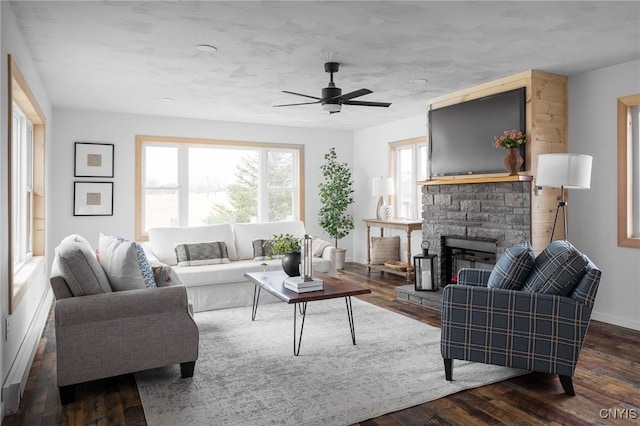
(607, 383)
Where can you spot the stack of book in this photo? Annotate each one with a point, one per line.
(298, 284)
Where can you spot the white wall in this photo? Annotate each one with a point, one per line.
(592, 213)
(371, 159)
(120, 129)
(25, 324)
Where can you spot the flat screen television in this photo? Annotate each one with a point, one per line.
(461, 135)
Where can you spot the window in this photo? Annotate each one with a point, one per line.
(186, 182)
(22, 187)
(409, 165)
(26, 207)
(629, 171)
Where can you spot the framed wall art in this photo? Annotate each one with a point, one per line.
(93, 198)
(93, 159)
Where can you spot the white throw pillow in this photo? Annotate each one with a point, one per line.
(125, 264)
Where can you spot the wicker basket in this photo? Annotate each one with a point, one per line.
(396, 265)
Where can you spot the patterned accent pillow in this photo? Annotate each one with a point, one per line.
(557, 270)
(262, 250)
(384, 249)
(513, 267)
(125, 264)
(197, 254)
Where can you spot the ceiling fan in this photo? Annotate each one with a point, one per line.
(332, 98)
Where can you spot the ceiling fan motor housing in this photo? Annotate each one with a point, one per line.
(330, 92)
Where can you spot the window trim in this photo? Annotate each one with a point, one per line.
(393, 169)
(625, 172)
(140, 140)
(20, 93)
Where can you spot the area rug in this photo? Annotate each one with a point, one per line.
(246, 373)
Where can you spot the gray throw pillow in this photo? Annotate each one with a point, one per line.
(80, 269)
(513, 267)
(196, 254)
(262, 250)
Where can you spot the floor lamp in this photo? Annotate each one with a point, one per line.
(564, 171)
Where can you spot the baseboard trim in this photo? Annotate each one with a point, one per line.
(16, 382)
(615, 320)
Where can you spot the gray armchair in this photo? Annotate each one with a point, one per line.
(100, 333)
(524, 327)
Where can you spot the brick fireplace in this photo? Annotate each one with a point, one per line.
(499, 211)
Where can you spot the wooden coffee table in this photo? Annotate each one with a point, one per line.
(273, 282)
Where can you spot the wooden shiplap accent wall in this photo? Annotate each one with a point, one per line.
(546, 129)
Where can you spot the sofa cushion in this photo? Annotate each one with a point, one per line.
(125, 264)
(557, 269)
(513, 268)
(163, 239)
(80, 269)
(205, 253)
(233, 272)
(384, 249)
(246, 233)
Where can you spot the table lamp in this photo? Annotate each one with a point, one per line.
(381, 187)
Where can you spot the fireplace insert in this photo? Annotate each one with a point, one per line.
(462, 252)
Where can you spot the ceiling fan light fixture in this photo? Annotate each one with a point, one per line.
(418, 81)
(332, 107)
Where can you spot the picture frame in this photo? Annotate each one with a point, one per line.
(93, 159)
(92, 198)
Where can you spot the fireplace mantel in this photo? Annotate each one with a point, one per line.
(457, 180)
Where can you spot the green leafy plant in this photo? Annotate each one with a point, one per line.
(284, 243)
(336, 197)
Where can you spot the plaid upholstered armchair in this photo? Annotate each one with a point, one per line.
(528, 313)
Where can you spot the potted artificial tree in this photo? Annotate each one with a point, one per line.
(289, 247)
(335, 196)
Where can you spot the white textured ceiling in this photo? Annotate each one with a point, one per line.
(127, 56)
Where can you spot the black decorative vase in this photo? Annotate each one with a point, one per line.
(291, 264)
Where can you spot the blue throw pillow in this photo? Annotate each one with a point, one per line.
(513, 268)
(557, 270)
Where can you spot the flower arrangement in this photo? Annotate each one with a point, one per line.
(509, 139)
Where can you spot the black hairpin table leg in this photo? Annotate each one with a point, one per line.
(256, 299)
(303, 312)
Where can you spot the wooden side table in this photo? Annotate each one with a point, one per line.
(406, 225)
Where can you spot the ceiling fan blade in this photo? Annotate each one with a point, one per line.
(352, 95)
(365, 103)
(300, 94)
(303, 103)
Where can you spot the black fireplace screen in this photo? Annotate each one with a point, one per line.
(461, 252)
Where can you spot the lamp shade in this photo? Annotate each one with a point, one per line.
(381, 186)
(564, 170)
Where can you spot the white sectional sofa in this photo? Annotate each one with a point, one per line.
(223, 285)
